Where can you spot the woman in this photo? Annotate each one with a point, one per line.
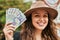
(38, 26)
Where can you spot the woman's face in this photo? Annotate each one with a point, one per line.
(40, 19)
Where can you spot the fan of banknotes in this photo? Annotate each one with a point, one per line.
(52, 3)
(15, 16)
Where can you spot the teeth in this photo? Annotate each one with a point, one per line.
(40, 24)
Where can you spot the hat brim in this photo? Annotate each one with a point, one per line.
(52, 12)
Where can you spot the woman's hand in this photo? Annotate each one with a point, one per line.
(8, 31)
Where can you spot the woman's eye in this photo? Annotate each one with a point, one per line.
(45, 15)
(36, 15)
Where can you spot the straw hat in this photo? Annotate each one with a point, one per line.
(41, 5)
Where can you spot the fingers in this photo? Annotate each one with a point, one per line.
(8, 24)
(8, 29)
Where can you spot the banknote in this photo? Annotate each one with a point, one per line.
(15, 16)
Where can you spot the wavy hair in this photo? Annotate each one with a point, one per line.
(27, 32)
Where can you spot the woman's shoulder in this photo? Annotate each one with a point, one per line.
(17, 36)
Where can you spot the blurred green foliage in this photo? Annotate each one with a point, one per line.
(5, 4)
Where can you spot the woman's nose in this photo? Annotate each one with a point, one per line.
(41, 19)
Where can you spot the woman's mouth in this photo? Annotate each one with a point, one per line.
(40, 24)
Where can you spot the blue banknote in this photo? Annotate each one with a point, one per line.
(15, 16)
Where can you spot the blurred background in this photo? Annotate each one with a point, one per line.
(23, 5)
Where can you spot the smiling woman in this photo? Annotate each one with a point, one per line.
(38, 26)
(40, 19)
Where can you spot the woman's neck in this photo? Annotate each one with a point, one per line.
(38, 34)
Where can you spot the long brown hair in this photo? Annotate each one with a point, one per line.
(27, 32)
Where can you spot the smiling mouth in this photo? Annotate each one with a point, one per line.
(40, 24)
